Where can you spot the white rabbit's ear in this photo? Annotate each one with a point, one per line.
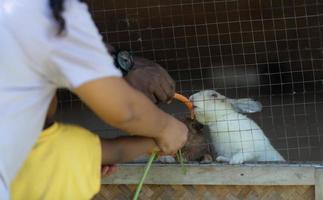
(245, 105)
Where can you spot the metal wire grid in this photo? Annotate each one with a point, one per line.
(267, 50)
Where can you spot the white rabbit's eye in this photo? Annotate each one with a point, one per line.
(215, 95)
(222, 100)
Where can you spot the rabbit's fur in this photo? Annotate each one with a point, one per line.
(235, 137)
(197, 146)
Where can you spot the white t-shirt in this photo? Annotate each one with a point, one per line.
(34, 62)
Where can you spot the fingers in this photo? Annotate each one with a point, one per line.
(161, 93)
(153, 81)
(155, 149)
(168, 90)
(164, 86)
(108, 170)
(168, 78)
(168, 85)
(104, 170)
(151, 96)
(173, 138)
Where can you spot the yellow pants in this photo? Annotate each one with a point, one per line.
(64, 164)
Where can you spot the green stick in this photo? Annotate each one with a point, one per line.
(181, 160)
(141, 182)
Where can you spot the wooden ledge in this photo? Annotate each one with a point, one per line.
(218, 174)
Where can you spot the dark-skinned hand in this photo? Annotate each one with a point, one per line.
(152, 80)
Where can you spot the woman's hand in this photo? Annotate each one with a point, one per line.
(173, 137)
(151, 79)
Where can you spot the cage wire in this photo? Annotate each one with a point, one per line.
(267, 50)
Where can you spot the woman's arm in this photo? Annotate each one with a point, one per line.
(121, 106)
(126, 149)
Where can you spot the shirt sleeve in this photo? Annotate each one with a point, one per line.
(79, 55)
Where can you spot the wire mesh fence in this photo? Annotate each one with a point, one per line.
(266, 50)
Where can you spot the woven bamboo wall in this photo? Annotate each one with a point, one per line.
(200, 192)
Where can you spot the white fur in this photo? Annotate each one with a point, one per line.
(235, 137)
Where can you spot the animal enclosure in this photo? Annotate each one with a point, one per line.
(267, 50)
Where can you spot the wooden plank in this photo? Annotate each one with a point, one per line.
(319, 184)
(214, 174)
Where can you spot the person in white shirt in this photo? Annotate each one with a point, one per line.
(39, 55)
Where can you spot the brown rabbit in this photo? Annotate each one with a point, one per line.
(197, 146)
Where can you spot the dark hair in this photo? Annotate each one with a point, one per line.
(57, 7)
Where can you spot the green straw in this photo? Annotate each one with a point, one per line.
(147, 168)
(181, 160)
(141, 182)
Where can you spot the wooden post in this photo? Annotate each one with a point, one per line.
(319, 183)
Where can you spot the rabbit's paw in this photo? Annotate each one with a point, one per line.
(235, 160)
(241, 157)
(207, 158)
(222, 159)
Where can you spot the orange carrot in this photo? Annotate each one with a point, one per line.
(185, 100)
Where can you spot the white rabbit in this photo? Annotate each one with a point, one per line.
(235, 137)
